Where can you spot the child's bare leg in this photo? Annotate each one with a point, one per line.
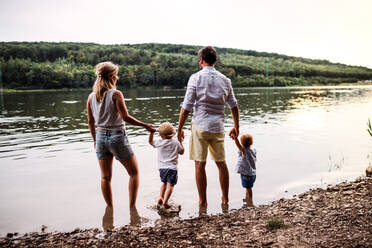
(162, 191)
(248, 195)
(168, 193)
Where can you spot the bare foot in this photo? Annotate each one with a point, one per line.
(160, 201)
(166, 205)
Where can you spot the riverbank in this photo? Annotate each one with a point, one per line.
(338, 216)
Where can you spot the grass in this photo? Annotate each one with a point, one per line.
(275, 223)
(369, 125)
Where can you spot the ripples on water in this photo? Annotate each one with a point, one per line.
(39, 120)
(301, 134)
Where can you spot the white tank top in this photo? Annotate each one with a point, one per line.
(105, 113)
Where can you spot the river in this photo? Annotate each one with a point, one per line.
(305, 137)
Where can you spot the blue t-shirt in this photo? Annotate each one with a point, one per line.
(246, 164)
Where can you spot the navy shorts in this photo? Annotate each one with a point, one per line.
(247, 181)
(168, 176)
(111, 143)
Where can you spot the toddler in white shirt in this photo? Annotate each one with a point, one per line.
(168, 150)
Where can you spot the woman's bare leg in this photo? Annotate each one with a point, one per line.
(106, 175)
(131, 166)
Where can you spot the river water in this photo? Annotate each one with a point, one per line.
(305, 137)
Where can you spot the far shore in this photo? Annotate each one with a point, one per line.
(6, 90)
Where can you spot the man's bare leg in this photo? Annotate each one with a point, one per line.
(224, 181)
(201, 182)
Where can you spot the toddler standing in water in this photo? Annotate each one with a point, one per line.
(246, 165)
(168, 150)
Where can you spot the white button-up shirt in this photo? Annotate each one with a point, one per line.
(208, 92)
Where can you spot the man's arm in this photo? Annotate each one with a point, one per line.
(181, 122)
(234, 132)
(182, 151)
(187, 105)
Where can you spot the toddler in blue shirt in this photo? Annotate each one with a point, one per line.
(246, 165)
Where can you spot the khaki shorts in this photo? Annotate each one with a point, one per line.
(201, 141)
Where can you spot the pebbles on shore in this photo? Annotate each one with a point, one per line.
(338, 216)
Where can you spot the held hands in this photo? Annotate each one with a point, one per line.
(150, 128)
(234, 133)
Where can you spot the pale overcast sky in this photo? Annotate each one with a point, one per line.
(337, 30)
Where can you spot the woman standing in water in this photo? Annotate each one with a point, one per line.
(107, 115)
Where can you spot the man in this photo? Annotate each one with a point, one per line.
(208, 92)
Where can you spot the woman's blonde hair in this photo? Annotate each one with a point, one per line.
(104, 80)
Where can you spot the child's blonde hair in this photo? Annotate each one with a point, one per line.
(167, 130)
(246, 140)
(104, 81)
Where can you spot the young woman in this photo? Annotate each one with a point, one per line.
(107, 115)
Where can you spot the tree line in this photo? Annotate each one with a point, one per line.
(48, 65)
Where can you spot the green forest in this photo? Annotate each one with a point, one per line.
(48, 65)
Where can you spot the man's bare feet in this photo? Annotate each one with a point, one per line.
(224, 201)
(202, 203)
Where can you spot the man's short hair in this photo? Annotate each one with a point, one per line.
(208, 54)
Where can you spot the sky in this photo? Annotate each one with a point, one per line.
(336, 30)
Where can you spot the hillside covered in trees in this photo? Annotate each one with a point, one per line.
(45, 65)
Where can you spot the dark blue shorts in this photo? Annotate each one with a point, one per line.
(168, 176)
(247, 181)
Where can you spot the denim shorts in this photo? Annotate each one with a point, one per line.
(168, 176)
(111, 143)
(247, 181)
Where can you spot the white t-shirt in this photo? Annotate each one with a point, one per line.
(168, 150)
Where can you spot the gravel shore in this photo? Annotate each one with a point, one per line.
(338, 216)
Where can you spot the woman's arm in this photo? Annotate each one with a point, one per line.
(122, 109)
(91, 122)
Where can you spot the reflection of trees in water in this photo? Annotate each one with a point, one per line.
(261, 103)
(44, 111)
(65, 111)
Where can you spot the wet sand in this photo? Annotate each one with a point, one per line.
(337, 216)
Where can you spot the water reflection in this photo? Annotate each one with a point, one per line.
(135, 218)
(305, 136)
(202, 210)
(37, 120)
(1, 101)
(108, 219)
